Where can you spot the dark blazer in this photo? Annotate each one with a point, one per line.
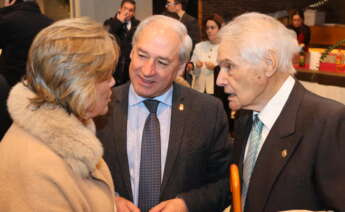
(19, 24)
(198, 154)
(124, 38)
(302, 162)
(5, 120)
(192, 26)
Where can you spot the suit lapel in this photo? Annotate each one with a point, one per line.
(278, 148)
(178, 113)
(119, 117)
(242, 127)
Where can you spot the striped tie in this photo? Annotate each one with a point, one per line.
(251, 156)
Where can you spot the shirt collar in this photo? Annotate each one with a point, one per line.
(134, 98)
(273, 108)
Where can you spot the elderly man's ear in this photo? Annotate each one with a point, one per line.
(271, 63)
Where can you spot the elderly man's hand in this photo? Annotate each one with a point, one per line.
(172, 205)
(124, 205)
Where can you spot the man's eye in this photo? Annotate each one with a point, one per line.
(226, 67)
(142, 55)
(163, 63)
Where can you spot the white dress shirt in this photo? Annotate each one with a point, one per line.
(272, 110)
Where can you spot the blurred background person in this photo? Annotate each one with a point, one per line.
(302, 30)
(20, 21)
(289, 142)
(50, 158)
(191, 23)
(204, 58)
(123, 26)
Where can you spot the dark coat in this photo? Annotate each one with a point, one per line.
(19, 24)
(301, 163)
(124, 38)
(5, 120)
(192, 27)
(198, 154)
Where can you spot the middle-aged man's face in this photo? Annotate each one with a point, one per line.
(155, 60)
(245, 83)
(128, 9)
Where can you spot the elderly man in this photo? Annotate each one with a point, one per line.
(166, 145)
(291, 147)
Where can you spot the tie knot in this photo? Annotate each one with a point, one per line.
(257, 123)
(151, 105)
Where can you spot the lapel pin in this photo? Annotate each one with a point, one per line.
(181, 107)
(284, 153)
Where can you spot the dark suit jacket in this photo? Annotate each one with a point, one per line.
(192, 26)
(198, 153)
(311, 130)
(6, 121)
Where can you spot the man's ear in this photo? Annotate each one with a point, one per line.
(181, 69)
(271, 63)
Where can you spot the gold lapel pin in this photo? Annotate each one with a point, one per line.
(284, 153)
(181, 107)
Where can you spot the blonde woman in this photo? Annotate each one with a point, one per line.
(50, 158)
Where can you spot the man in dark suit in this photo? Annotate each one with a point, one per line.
(290, 143)
(194, 148)
(191, 23)
(123, 26)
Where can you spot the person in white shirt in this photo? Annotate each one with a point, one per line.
(204, 58)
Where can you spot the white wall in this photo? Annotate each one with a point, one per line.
(103, 9)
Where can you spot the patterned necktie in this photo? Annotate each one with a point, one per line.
(150, 163)
(251, 156)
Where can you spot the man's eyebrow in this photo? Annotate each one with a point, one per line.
(164, 58)
(226, 60)
(142, 50)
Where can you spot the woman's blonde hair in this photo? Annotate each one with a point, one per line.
(65, 62)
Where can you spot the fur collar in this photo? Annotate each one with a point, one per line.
(62, 133)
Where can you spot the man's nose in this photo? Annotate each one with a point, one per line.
(149, 68)
(221, 79)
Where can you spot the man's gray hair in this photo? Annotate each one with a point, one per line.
(256, 34)
(177, 26)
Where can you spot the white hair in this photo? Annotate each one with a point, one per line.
(255, 34)
(177, 26)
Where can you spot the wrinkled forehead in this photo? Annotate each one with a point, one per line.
(227, 50)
